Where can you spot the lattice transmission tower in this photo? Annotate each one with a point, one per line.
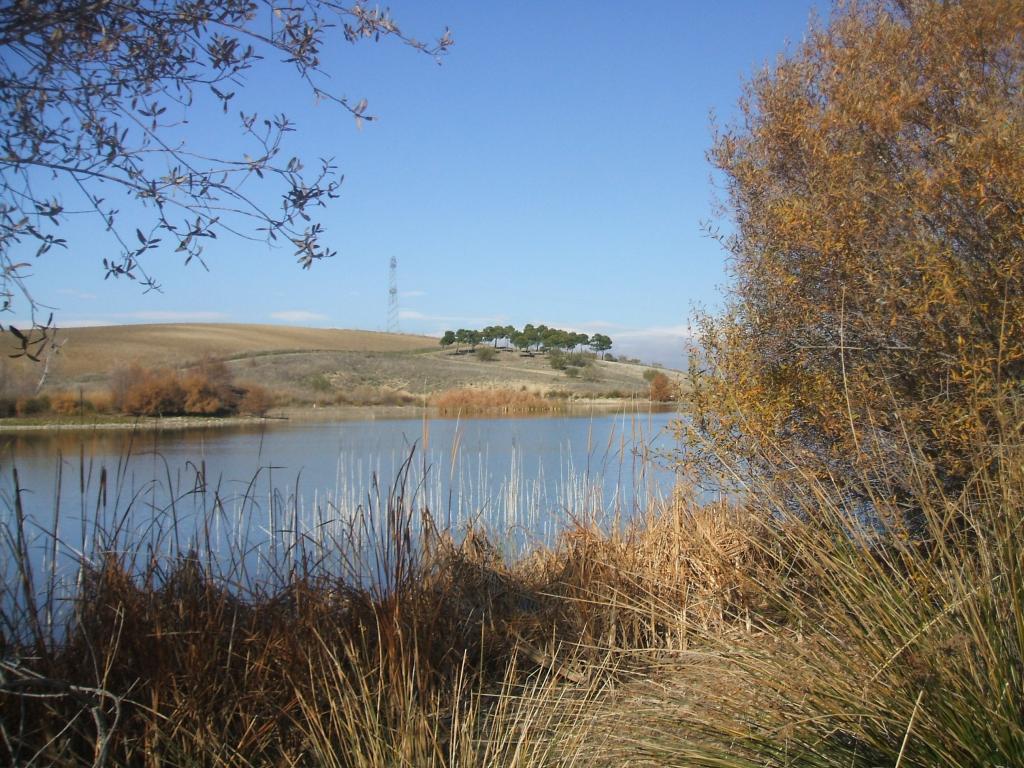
(393, 296)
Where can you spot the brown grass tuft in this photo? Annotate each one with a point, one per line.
(504, 401)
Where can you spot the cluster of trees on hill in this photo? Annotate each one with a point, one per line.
(533, 338)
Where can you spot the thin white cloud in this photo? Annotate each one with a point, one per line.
(82, 322)
(162, 316)
(298, 316)
(657, 332)
(471, 322)
(601, 325)
(665, 344)
(122, 318)
(83, 295)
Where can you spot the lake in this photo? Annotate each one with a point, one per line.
(270, 494)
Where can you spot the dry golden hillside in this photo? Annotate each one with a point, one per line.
(85, 351)
(305, 365)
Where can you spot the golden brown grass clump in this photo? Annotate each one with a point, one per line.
(503, 401)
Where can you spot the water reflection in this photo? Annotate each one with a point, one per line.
(268, 497)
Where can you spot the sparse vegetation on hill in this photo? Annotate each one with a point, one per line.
(296, 367)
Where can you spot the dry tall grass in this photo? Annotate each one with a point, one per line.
(844, 638)
(447, 655)
(502, 401)
(796, 629)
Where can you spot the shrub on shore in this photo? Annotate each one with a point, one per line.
(872, 298)
(662, 390)
(154, 393)
(32, 406)
(60, 404)
(205, 390)
(65, 403)
(256, 401)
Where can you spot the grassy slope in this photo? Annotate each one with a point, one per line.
(309, 364)
(94, 350)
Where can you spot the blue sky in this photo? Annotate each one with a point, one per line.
(551, 170)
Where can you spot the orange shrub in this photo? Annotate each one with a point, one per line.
(875, 182)
(67, 403)
(662, 389)
(205, 391)
(256, 401)
(122, 381)
(102, 402)
(156, 393)
(209, 389)
(206, 398)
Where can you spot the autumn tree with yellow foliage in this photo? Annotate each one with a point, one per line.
(875, 185)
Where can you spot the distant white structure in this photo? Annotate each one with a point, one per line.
(393, 296)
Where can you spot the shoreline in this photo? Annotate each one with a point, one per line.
(307, 414)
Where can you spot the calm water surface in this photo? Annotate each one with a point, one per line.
(265, 492)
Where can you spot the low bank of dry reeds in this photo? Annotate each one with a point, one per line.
(453, 402)
(798, 626)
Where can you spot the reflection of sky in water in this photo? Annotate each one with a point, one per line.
(272, 495)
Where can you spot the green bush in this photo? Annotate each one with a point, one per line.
(32, 406)
(319, 382)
